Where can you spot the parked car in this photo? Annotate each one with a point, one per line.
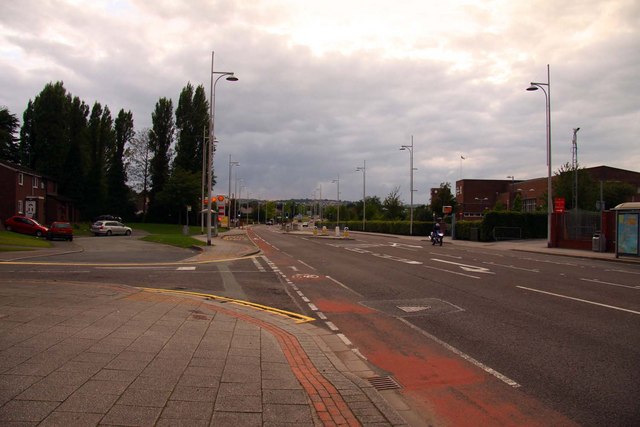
(107, 218)
(107, 228)
(60, 230)
(22, 224)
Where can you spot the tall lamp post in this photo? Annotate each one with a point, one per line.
(410, 148)
(229, 193)
(212, 96)
(547, 96)
(509, 192)
(364, 192)
(337, 181)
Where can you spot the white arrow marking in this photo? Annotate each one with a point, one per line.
(400, 245)
(414, 309)
(466, 267)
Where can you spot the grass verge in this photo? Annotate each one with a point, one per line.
(10, 241)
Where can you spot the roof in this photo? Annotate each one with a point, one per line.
(627, 206)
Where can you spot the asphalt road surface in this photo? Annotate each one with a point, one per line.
(482, 336)
(559, 337)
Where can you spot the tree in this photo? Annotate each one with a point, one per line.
(392, 206)
(563, 186)
(48, 142)
(160, 139)
(137, 165)
(118, 194)
(270, 210)
(182, 189)
(192, 124)
(8, 140)
(101, 137)
(615, 192)
(73, 182)
(442, 197)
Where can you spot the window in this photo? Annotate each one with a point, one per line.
(35, 182)
(20, 178)
(20, 206)
(529, 205)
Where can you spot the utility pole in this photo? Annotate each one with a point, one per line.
(574, 164)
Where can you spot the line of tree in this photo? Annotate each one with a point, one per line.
(102, 164)
(389, 209)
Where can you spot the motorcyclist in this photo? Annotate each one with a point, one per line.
(435, 234)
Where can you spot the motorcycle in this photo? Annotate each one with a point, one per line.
(436, 238)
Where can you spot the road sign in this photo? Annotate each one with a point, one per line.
(558, 204)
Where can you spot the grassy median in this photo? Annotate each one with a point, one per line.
(167, 234)
(10, 241)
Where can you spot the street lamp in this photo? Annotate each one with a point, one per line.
(410, 148)
(337, 181)
(229, 193)
(319, 189)
(364, 192)
(212, 96)
(509, 192)
(547, 96)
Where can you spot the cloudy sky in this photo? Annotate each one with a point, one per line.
(326, 85)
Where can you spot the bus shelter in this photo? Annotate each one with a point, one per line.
(627, 229)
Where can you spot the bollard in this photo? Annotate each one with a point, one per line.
(315, 230)
(324, 230)
(346, 232)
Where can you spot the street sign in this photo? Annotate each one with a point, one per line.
(558, 204)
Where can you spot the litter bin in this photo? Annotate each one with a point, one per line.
(598, 242)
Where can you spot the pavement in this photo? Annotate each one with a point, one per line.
(114, 355)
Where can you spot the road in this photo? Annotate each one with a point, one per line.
(500, 337)
(485, 337)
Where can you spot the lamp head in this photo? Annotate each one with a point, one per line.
(532, 87)
(232, 78)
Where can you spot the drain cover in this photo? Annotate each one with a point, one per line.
(384, 383)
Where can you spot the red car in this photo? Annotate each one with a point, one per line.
(22, 224)
(60, 230)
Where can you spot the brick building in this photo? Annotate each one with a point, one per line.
(474, 197)
(24, 191)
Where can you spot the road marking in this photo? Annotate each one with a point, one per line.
(466, 267)
(344, 286)
(331, 326)
(609, 283)
(550, 262)
(258, 265)
(464, 355)
(413, 309)
(449, 256)
(186, 268)
(624, 271)
(305, 264)
(395, 258)
(532, 270)
(345, 339)
(580, 300)
(452, 272)
(294, 268)
(404, 246)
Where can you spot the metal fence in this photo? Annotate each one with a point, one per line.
(580, 224)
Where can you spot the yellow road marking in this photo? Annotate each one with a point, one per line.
(300, 318)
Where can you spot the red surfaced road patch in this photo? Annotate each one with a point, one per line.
(455, 391)
(333, 306)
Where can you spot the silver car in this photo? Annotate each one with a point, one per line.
(107, 228)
